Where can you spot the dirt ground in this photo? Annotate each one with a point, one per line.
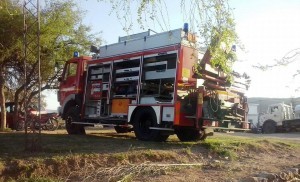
(120, 157)
(295, 136)
(218, 168)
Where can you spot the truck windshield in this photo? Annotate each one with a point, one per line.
(274, 109)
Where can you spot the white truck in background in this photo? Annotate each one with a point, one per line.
(280, 117)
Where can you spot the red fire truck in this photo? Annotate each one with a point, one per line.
(146, 83)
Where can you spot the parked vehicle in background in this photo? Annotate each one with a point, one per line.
(47, 121)
(10, 123)
(149, 83)
(280, 117)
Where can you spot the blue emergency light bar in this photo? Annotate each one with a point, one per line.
(76, 54)
(186, 27)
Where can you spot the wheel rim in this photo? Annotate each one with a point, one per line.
(49, 124)
(69, 120)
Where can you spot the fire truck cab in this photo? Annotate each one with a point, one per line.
(146, 83)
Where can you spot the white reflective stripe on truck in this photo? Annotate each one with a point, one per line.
(68, 89)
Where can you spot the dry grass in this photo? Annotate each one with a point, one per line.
(107, 156)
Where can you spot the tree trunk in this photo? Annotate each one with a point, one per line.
(17, 106)
(2, 100)
(18, 96)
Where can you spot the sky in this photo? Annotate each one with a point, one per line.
(268, 30)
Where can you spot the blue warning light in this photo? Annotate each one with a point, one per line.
(76, 54)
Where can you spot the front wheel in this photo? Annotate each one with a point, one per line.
(143, 120)
(269, 126)
(73, 116)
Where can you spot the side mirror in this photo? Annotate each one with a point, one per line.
(59, 79)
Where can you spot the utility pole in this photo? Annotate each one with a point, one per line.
(31, 13)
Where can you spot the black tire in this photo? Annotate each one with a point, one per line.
(269, 126)
(30, 125)
(143, 119)
(203, 136)
(189, 134)
(121, 129)
(73, 116)
(20, 125)
(52, 124)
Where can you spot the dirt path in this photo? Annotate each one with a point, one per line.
(279, 136)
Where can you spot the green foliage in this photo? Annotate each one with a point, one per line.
(215, 24)
(61, 33)
(11, 36)
(58, 44)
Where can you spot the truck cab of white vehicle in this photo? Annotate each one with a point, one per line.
(276, 113)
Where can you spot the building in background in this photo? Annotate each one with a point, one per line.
(253, 115)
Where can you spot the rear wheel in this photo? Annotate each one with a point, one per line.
(269, 126)
(143, 120)
(187, 134)
(203, 136)
(73, 116)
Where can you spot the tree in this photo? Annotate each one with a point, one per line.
(62, 33)
(212, 20)
(10, 48)
(289, 59)
(58, 44)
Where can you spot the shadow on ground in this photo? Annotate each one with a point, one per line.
(109, 142)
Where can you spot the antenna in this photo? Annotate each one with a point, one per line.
(31, 35)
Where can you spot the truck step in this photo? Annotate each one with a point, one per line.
(224, 128)
(194, 117)
(163, 129)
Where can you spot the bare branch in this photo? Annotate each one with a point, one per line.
(288, 58)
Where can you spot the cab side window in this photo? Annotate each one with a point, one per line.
(71, 70)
